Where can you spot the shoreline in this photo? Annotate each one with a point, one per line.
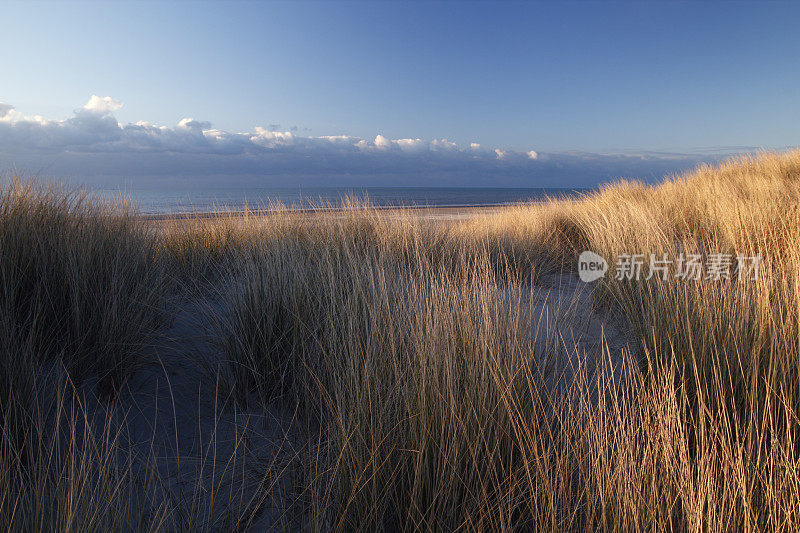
(424, 211)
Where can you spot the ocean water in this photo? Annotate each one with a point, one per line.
(165, 201)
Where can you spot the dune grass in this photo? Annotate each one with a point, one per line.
(81, 282)
(432, 394)
(81, 287)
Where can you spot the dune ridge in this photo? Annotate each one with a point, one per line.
(375, 370)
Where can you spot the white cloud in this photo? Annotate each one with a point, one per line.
(268, 138)
(9, 114)
(5, 109)
(102, 106)
(443, 145)
(92, 142)
(339, 139)
(382, 142)
(194, 125)
(93, 128)
(411, 145)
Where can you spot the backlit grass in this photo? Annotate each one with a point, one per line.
(431, 393)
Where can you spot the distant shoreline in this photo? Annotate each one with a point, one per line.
(204, 203)
(451, 209)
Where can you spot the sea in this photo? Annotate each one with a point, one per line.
(225, 199)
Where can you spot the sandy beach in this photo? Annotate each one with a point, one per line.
(420, 212)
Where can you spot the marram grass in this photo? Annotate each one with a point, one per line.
(427, 387)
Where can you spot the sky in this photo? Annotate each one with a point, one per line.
(381, 93)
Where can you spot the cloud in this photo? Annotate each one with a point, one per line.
(194, 125)
(93, 143)
(382, 143)
(102, 106)
(411, 145)
(5, 109)
(443, 145)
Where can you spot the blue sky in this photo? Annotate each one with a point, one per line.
(567, 80)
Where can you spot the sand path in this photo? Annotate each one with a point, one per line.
(217, 461)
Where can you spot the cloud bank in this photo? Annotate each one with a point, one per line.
(92, 143)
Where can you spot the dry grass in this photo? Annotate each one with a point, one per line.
(81, 282)
(428, 387)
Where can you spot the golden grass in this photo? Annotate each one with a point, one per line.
(426, 382)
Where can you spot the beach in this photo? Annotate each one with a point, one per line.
(365, 365)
